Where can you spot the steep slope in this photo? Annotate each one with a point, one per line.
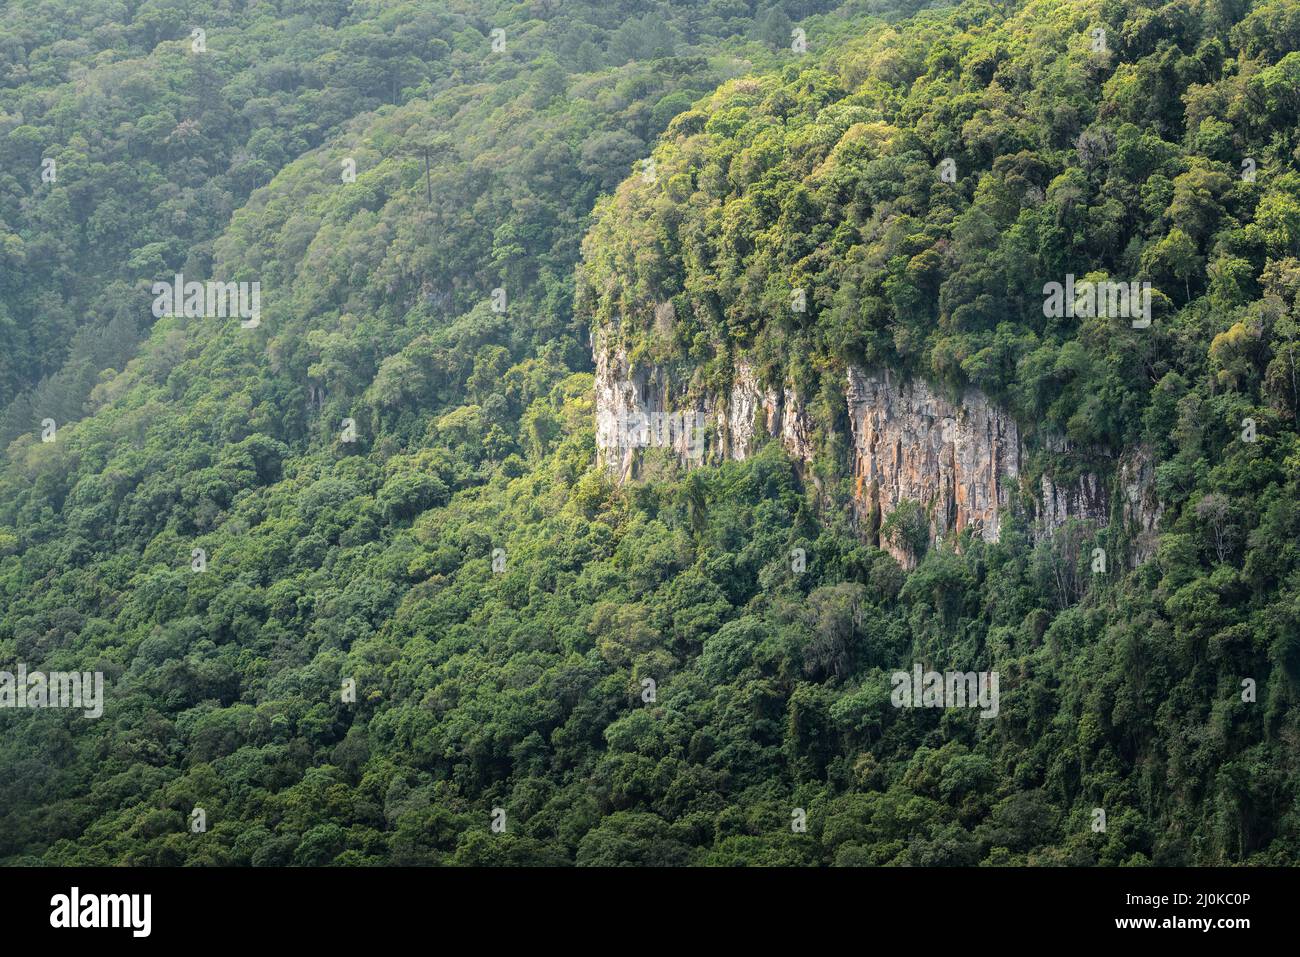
(862, 256)
(377, 306)
(909, 445)
(422, 602)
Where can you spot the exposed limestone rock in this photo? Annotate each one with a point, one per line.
(1089, 498)
(790, 421)
(1084, 498)
(752, 407)
(641, 409)
(742, 411)
(960, 462)
(963, 462)
(1140, 505)
(629, 404)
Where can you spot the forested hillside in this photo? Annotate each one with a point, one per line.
(362, 592)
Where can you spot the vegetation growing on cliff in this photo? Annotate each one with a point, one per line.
(498, 603)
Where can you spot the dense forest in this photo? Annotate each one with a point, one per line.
(363, 592)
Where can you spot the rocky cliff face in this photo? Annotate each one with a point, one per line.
(962, 461)
(644, 408)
